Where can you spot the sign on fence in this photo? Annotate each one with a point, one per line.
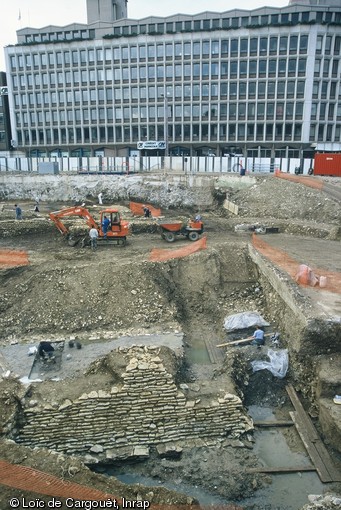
(151, 144)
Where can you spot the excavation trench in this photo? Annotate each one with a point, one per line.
(157, 326)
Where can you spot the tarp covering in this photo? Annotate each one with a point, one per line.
(137, 209)
(278, 363)
(160, 255)
(244, 320)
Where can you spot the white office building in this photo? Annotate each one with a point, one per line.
(265, 82)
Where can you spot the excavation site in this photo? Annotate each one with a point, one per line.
(129, 371)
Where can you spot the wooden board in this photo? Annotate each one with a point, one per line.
(316, 450)
(275, 423)
(279, 470)
(215, 355)
(241, 341)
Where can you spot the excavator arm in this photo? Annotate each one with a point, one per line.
(71, 211)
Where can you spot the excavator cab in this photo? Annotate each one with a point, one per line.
(114, 225)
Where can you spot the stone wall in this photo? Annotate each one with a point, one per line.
(146, 409)
(164, 190)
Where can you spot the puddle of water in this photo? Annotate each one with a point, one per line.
(261, 413)
(287, 492)
(204, 498)
(272, 450)
(198, 354)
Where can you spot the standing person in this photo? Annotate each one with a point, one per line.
(18, 212)
(100, 198)
(105, 226)
(242, 169)
(258, 337)
(93, 234)
(36, 207)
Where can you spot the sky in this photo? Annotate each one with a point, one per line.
(38, 13)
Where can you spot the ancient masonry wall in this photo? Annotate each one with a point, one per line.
(147, 409)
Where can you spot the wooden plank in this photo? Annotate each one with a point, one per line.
(241, 341)
(311, 450)
(309, 436)
(274, 470)
(310, 429)
(275, 423)
(215, 355)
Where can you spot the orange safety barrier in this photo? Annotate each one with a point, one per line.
(301, 179)
(161, 255)
(13, 258)
(303, 275)
(40, 483)
(29, 479)
(137, 209)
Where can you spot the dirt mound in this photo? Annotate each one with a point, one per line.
(282, 199)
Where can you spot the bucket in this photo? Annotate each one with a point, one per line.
(323, 281)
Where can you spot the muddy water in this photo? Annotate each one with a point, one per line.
(287, 491)
(197, 355)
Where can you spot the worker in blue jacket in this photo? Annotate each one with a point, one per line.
(105, 226)
(258, 337)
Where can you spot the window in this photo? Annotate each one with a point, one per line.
(234, 47)
(270, 111)
(261, 90)
(293, 44)
(282, 64)
(273, 45)
(272, 67)
(263, 46)
(302, 62)
(253, 46)
(252, 89)
(290, 89)
(303, 43)
(292, 67)
(283, 44)
(244, 44)
(252, 68)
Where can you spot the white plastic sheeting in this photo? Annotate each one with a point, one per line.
(278, 363)
(244, 320)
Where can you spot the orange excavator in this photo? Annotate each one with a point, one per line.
(111, 228)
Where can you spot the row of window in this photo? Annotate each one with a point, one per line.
(177, 150)
(180, 93)
(67, 35)
(232, 22)
(205, 111)
(179, 72)
(249, 133)
(180, 132)
(236, 47)
(193, 25)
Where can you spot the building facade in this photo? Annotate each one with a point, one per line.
(5, 125)
(264, 83)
